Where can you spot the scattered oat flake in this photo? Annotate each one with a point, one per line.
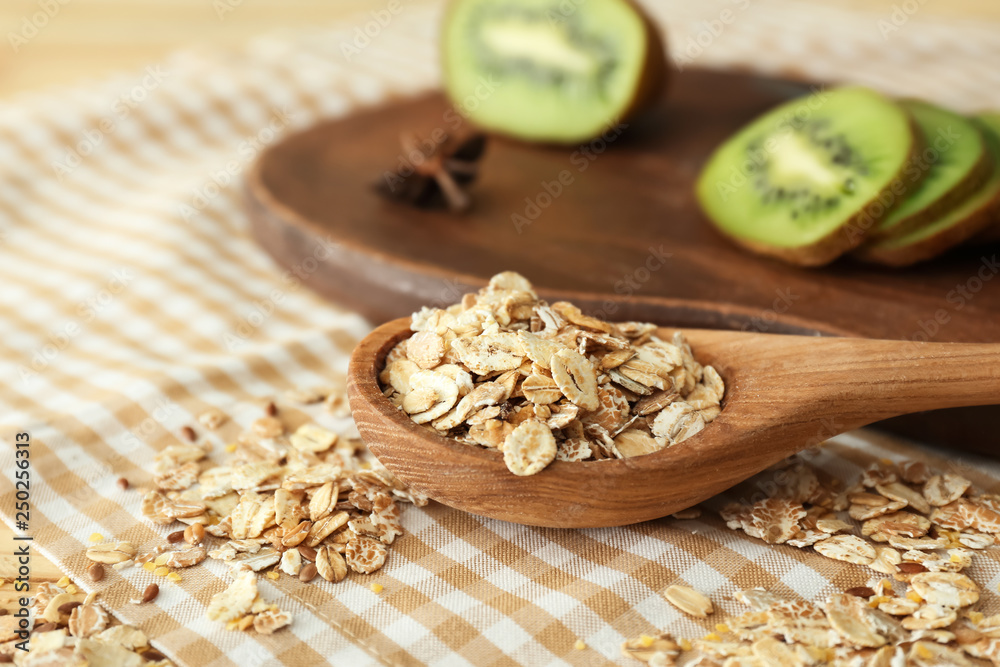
(948, 589)
(775, 520)
(235, 601)
(212, 418)
(848, 548)
(941, 490)
(313, 438)
(179, 478)
(87, 620)
(900, 492)
(268, 621)
(689, 601)
(651, 649)
(185, 558)
(882, 624)
(364, 554)
(930, 617)
(853, 619)
(110, 553)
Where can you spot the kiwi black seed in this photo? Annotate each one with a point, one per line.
(556, 71)
(979, 211)
(953, 163)
(838, 154)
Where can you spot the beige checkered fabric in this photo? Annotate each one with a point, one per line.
(133, 299)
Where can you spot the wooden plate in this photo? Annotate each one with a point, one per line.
(616, 216)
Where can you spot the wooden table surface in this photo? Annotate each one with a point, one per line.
(88, 38)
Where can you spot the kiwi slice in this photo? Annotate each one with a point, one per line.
(806, 181)
(954, 163)
(970, 217)
(551, 70)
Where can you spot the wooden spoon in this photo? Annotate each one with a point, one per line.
(783, 394)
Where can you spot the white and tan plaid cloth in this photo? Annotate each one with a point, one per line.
(133, 298)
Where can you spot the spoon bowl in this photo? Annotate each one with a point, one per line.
(783, 394)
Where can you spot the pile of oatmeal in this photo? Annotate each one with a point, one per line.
(913, 535)
(303, 502)
(71, 629)
(505, 370)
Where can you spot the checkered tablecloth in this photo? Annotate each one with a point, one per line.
(133, 298)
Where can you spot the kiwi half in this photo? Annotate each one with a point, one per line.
(956, 163)
(970, 217)
(806, 181)
(557, 71)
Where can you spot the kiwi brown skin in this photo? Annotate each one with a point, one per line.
(962, 190)
(971, 227)
(933, 246)
(976, 226)
(852, 233)
(657, 74)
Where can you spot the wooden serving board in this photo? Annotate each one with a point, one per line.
(617, 216)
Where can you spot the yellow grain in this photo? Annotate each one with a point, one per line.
(161, 571)
(376, 588)
(821, 655)
(96, 537)
(579, 645)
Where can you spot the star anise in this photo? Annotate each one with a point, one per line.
(435, 174)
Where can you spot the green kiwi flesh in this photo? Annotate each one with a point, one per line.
(550, 70)
(954, 162)
(976, 213)
(806, 181)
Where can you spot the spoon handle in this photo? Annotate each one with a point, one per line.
(862, 381)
